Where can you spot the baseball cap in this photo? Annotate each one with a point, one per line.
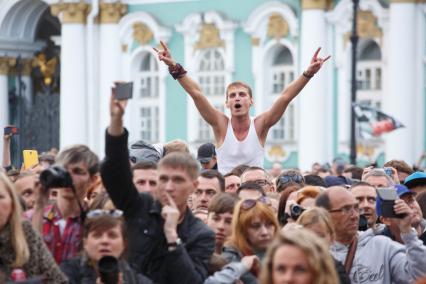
(415, 179)
(205, 153)
(336, 181)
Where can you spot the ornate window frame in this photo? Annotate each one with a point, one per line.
(132, 54)
(191, 28)
(265, 48)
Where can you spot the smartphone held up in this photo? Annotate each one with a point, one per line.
(123, 90)
(13, 130)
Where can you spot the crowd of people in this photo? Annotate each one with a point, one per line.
(156, 214)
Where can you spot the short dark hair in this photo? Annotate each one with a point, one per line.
(251, 185)
(210, 174)
(400, 166)
(223, 203)
(361, 183)
(79, 153)
(355, 171)
(314, 180)
(181, 160)
(144, 165)
(238, 170)
(323, 200)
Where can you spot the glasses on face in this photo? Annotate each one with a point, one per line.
(346, 209)
(100, 212)
(261, 182)
(250, 203)
(289, 178)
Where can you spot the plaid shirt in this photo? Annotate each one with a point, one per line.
(66, 246)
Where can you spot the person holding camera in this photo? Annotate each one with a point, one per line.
(367, 257)
(102, 261)
(167, 243)
(61, 223)
(21, 248)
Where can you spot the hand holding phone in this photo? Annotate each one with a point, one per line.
(30, 159)
(123, 91)
(387, 197)
(11, 130)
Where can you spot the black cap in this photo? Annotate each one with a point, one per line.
(206, 153)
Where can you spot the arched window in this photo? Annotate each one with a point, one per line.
(211, 76)
(282, 74)
(369, 75)
(147, 98)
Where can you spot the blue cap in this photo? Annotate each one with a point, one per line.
(415, 179)
(402, 190)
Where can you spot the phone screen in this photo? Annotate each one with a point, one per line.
(11, 130)
(124, 91)
(30, 158)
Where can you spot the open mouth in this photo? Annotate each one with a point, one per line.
(237, 106)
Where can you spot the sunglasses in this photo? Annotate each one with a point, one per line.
(250, 203)
(289, 178)
(100, 212)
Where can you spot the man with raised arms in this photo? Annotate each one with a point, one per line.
(241, 138)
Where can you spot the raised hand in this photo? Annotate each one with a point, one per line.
(165, 55)
(316, 63)
(170, 214)
(116, 107)
(401, 207)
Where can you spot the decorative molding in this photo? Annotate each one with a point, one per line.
(277, 26)
(367, 27)
(209, 37)
(316, 4)
(47, 67)
(142, 33)
(71, 13)
(255, 41)
(26, 67)
(111, 13)
(261, 22)
(6, 64)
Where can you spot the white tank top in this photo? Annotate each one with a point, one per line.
(233, 152)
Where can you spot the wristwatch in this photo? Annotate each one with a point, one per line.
(174, 245)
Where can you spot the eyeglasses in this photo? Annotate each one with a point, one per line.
(346, 209)
(99, 212)
(261, 182)
(289, 178)
(250, 203)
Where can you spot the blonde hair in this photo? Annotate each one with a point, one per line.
(320, 261)
(317, 215)
(241, 220)
(19, 241)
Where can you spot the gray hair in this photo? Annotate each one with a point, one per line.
(378, 173)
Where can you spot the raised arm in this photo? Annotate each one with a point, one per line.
(267, 119)
(209, 113)
(7, 162)
(115, 170)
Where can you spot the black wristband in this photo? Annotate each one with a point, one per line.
(177, 71)
(306, 75)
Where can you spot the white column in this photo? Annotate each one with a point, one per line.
(400, 101)
(73, 106)
(313, 99)
(109, 64)
(5, 64)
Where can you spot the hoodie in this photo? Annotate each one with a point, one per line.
(378, 259)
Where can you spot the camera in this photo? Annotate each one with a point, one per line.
(56, 177)
(295, 211)
(108, 269)
(363, 223)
